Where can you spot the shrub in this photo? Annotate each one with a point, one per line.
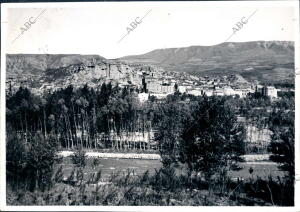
(96, 162)
(15, 160)
(31, 163)
(79, 157)
(58, 177)
(41, 159)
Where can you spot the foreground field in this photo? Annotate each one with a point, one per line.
(143, 182)
(112, 165)
(261, 169)
(120, 181)
(114, 181)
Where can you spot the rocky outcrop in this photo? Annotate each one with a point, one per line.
(38, 63)
(62, 70)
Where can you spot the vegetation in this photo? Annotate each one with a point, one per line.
(201, 135)
(283, 141)
(79, 157)
(30, 165)
(162, 188)
(208, 140)
(212, 139)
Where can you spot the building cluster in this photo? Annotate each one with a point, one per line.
(197, 86)
(147, 80)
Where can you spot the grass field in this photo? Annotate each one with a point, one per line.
(139, 166)
(124, 182)
(260, 169)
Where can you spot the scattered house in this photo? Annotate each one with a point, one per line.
(270, 91)
(154, 86)
(167, 88)
(159, 95)
(47, 87)
(241, 92)
(143, 97)
(218, 92)
(208, 92)
(194, 77)
(228, 91)
(182, 89)
(195, 92)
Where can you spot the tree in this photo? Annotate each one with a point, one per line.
(41, 157)
(43, 103)
(283, 141)
(79, 157)
(170, 119)
(152, 98)
(15, 160)
(211, 139)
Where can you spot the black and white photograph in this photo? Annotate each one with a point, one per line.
(150, 104)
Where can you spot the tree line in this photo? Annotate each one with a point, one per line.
(93, 118)
(78, 116)
(200, 133)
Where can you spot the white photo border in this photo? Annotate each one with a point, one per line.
(4, 43)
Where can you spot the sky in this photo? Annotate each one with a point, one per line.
(97, 28)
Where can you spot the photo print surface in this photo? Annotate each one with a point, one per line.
(149, 104)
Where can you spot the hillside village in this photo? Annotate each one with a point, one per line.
(146, 80)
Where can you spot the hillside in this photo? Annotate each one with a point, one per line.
(57, 71)
(23, 65)
(271, 62)
(259, 60)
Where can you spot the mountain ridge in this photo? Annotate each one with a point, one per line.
(265, 61)
(185, 47)
(261, 58)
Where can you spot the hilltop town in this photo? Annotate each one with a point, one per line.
(147, 80)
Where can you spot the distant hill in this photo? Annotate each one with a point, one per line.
(267, 61)
(22, 65)
(60, 70)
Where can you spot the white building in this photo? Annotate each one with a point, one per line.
(182, 89)
(218, 92)
(159, 95)
(208, 92)
(229, 91)
(143, 97)
(194, 92)
(271, 92)
(267, 91)
(241, 92)
(167, 89)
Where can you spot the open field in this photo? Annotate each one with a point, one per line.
(130, 155)
(109, 165)
(260, 169)
(122, 182)
(113, 165)
(150, 155)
